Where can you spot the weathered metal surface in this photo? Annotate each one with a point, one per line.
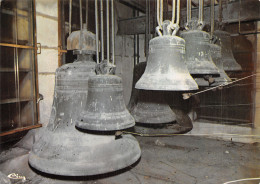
(250, 11)
(82, 40)
(198, 58)
(105, 107)
(224, 41)
(148, 106)
(64, 150)
(215, 51)
(165, 68)
(4, 179)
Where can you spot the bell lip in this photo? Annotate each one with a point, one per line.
(145, 116)
(145, 85)
(233, 67)
(155, 120)
(132, 156)
(121, 123)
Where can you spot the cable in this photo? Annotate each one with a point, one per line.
(155, 135)
(244, 179)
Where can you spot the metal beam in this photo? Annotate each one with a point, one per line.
(249, 11)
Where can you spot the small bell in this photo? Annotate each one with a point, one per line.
(223, 78)
(198, 58)
(105, 107)
(166, 68)
(224, 41)
(148, 106)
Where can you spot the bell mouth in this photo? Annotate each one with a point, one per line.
(164, 82)
(87, 159)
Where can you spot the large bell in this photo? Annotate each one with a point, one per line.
(105, 107)
(198, 59)
(166, 69)
(223, 79)
(64, 150)
(224, 41)
(148, 106)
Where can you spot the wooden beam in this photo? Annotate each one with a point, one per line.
(249, 11)
(20, 130)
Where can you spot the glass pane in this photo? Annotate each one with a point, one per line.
(25, 86)
(9, 118)
(8, 87)
(25, 59)
(16, 22)
(7, 58)
(27, 113)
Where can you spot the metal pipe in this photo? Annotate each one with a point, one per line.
(158, 13)
(87, 13)
(201, 2)
(113, 32)
(80, 14)
(220, 11)
(161, 12)
(188, 11)
(147, 25)
(178, 12)
(173, 11)
(107, 31)
(212, 18)
(102, 29)
(97, 37)
(70, 13)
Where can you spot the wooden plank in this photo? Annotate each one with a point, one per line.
(20, 130)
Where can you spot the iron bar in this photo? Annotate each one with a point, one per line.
(212, 18)
(113, 32)
(102, 29)
(87, 13)
(70, 14)
(80, 14)
(97, 37)
(108, 55)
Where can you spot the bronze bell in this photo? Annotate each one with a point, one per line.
(223, 79)
(165, 68)
(224, 41)
(105, 107)
(198, 58)
(148, 106)
(64, 150)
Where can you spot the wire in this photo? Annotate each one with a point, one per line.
(244, 179)
(188, 95)
(220, 134)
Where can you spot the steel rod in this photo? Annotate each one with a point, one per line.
(102, 29)
(80, 14)
(173, 11)
(201, 6)
(220, 11)
(188, 11)
(212, 18)
(97, 37)
(178, 12)
(70, 14)
(87, 13)
(113, 32)
(108, 55)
